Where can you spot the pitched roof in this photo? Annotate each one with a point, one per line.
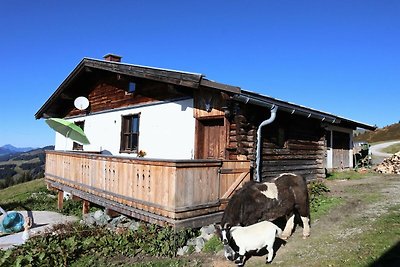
(89, 70)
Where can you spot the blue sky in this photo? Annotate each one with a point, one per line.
(342, 57)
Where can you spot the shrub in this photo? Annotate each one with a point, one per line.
(213, 245)
(74, 242)
(317, 192)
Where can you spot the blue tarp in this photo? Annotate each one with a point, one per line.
(13, 222)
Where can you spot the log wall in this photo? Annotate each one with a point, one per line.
(290, 144)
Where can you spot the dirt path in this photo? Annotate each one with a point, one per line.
(376, 150)
(363, 202)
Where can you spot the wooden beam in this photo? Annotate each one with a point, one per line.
(235, 185)
(162, 75)
(220, 86)
(60, 199)
(85, 207)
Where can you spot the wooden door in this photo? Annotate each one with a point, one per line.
(211, 139)
(341, 147)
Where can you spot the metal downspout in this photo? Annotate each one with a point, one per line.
(257, 175)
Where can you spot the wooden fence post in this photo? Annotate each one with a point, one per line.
(60, 200)
(85, 206)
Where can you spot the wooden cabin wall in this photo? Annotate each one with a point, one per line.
(112, 93)
(290, 144)
(293, 144)
(242, 135)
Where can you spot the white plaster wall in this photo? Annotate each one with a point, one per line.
(166, 130)
(329, 159)
(351, 154)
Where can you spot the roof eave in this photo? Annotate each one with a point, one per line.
(186, 79)
(260, 100)
(40, 113)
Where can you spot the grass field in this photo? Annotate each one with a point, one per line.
(392, 149)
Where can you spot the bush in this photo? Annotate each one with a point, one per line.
(317, 192)
(75, 242)
(213, 245)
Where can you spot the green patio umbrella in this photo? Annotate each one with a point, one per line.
(69, 129)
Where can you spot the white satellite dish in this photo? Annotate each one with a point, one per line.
(81, 103)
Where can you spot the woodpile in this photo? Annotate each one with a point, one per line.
(390, 165)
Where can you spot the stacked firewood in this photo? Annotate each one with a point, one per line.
(390, 165)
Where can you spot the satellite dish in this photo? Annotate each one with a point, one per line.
(81, 103)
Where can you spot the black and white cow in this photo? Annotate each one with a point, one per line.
(249, 238)
(283, 197)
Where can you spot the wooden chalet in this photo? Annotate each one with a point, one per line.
(170, 147)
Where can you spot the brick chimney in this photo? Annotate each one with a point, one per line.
(112, 57)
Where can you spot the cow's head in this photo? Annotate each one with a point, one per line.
(225, 234)
(230, 248)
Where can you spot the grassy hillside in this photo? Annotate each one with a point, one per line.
(21, 167)
(26, 196)
(388, 133)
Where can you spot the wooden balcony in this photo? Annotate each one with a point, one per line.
(181, 193)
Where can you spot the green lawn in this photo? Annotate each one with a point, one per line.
(392, 149)
(32, 195)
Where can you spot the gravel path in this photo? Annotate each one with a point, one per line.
(42, 220)
(376, 150)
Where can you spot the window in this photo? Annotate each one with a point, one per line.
(75, 145)
(131, 87)
(130, 133)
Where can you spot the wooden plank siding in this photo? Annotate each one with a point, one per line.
(111, 92)
(158, 191)
(290, 143)
(293, 144)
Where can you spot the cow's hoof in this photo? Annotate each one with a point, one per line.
(306, 236)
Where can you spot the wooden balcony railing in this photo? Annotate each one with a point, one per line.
(162, 190)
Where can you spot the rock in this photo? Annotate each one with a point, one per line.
(120, 223)
(134, 225)
(98, 214)
(182, 251)
(120, 220)
(103, 220)
(199, 244)
(89, 219)
(207, 232)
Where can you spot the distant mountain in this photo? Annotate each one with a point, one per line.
(388, 133)
(10, 149)
(20, 167)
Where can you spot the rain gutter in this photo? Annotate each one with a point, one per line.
(273, 104)
(286, 106)
(257, 173)
(274, 108)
